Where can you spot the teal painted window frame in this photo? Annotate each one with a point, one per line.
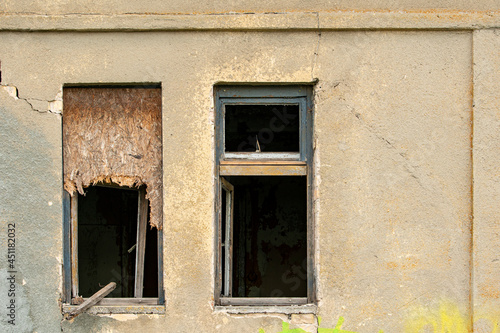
(266, 95)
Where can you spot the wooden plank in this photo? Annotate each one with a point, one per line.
(142, 221)
(263, 301)
(129, 301)
(119, 309)
(92, 300)
(263, 170)
(74, 245)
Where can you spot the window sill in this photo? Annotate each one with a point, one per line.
(251, 309)
(119, 309)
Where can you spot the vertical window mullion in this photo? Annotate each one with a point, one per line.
(228, 241)
(303, 129)
(67, 246)
(74, 246)
(142, 217)
(161, 293)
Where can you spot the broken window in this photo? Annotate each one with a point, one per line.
(112, 151)
(264, 158)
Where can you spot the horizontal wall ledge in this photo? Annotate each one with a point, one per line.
(334, 20)
(119, 309)
(290, 309)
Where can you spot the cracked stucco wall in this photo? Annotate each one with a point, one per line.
(29, 186)
(38, 105)
(394, 204)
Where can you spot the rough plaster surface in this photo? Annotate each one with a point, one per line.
(158, 6)
(486, 172)
(393, 131)
(393, 138)
(30, 186)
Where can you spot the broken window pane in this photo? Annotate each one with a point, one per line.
(107, 243)
(264, 153)
(262, 128)
(270, 236)
(107, 229)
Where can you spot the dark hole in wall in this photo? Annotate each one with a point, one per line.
(107, 230)
(270, 236)
(276, 127)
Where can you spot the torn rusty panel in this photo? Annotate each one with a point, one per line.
(113, 135)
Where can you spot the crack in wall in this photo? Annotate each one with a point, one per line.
(53, 106)
(316, 52)
(407, 163)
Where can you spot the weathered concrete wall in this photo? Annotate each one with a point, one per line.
(218, 6)
(486, 172)
(393, 140)
(30, 198)
(393, 129)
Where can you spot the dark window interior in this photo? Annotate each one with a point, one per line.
(274, 127)
(107, 232)
(223, 235)
(150, 288)
(270, 236)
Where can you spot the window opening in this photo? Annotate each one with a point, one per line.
(150, 285)
(262, 128)
(264, 168)
(270, 236)
(112, 244)
(112, 150)
(106, 214)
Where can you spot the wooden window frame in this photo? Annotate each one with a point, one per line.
(260, 164)
(70, 229)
